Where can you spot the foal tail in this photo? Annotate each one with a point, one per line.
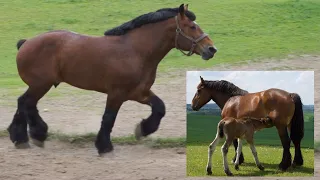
(20, 42)
(220, 129)
(297, 122)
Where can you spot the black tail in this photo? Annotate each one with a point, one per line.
(297, 122)
(220, 129)
(20, 42)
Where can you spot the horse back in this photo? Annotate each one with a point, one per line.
(275, 103)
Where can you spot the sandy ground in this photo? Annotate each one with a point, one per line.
(75, 111)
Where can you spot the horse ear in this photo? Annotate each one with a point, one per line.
(202, 81)
(181, 11)
(186, 7)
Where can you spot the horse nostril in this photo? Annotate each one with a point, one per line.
(212, 49)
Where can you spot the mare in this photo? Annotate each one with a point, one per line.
(122, 64)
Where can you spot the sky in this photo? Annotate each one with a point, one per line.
(300, 82)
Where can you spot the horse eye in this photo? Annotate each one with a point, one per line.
(193, 27)
(198, 90)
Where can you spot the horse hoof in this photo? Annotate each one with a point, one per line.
(209, 172)
(24, 145)
(297, 163)
(284, 167)
(241, 160)
(236, 167)
(138, 132)
(105, 151)
(38, 143)
(228, 173)
(261, 167)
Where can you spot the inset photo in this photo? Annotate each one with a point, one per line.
(250, 123)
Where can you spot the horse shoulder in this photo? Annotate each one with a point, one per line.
(230, 108)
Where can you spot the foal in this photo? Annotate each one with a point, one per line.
(232, 129)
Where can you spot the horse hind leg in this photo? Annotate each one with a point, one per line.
(285, 140)
(18, 127)
(38, 129)
(296, 140)
(27, 113)
(224, 150)
(211, 149)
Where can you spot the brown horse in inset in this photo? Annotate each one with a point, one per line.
(239, 129)
(122, 64)
(284, 108)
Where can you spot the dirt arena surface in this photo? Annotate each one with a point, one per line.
(75, 111)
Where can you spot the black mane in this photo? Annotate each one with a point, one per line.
(225, 87)
(152, 17)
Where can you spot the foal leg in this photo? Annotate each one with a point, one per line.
(241, 160)
(224, 150)
(255, 154)
(239, 151)
(211, 149)
(103, 141)
(151, 124)
(285, 140)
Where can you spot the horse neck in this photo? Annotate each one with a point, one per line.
(220, 98)
(153, 41)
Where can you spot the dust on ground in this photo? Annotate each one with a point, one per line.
(76, 112)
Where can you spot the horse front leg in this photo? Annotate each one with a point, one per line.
(241, 158)
(254, 153)
(103, 142)
(151, 124)
(285, 140)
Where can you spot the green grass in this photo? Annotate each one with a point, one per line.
(201, 129)
(270, 157)
(241, 29)
(81, 139)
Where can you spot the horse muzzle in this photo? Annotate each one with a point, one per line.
(208, 52)
(195, 107)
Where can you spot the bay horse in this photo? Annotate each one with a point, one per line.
(284, 108)
(121, 64)
(239, 129)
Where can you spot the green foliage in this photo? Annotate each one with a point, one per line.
(241, 29)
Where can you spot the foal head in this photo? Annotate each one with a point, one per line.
(190, 37)
(261, 123)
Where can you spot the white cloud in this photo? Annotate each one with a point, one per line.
(301, 82)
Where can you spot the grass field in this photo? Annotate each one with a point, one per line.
(241, 29)
(201, 130)
(270, 157)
